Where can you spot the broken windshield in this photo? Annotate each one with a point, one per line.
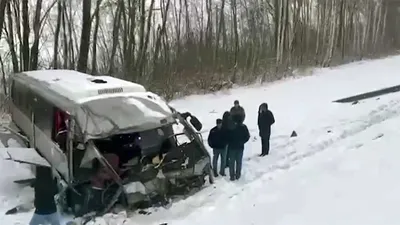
(135, 112)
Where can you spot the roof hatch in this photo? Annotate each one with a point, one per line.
(99, 81)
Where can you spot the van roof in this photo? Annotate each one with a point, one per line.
(102, 105)
(77, 86)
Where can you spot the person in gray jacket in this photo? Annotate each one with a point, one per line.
(237, 112)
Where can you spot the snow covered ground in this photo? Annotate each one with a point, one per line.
(341, 169)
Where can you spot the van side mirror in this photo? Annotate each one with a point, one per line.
(196, 123)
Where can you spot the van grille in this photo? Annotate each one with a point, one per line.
(110, 91)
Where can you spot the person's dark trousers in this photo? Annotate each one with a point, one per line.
(217, 153)
(227, 158)
(235, 163)
(265, 144)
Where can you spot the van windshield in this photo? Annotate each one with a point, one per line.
(135, 112)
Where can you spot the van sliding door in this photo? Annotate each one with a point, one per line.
(43, 129)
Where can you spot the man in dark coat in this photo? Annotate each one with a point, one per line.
(265, 121)
(227, 125)
(45, 188)
(237, 113)
(216, 140)
(238, 136)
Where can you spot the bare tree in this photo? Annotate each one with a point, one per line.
(3, 4)
(36, 31)
(10, 39)
(26, 30)
(57, 34)
(95, 36)
(177, 46)
(85, 36)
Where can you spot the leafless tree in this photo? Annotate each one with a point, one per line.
(179, 46)
(85, 36)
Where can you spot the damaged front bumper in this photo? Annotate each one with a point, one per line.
(152, 186)
(167, 183)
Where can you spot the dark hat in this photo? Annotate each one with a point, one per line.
(236, 102)
(226, 115)
(219, 121)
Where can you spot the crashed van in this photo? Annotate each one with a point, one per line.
(109, 141)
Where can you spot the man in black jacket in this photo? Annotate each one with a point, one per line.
(217, 141)
(45, 188)
(227, 125)
(238, 136)
(265, 121)
(237, 112)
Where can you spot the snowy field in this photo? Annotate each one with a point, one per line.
(341, 169)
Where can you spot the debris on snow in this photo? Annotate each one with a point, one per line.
(378, 136)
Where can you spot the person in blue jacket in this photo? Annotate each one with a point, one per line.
(217, 141)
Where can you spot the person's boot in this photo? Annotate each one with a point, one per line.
(262, 152)
(215, 173)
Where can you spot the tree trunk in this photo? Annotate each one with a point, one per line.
(236, 39)
(10, 40)
(85, 36)
(57, 35)
(3, 4)
(25, 35)
(95, 34)
(117, 24)
(36, 32)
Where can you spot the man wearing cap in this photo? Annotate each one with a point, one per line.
(217, 141)
(237, 112)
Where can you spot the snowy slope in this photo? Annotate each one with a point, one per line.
(341, 168)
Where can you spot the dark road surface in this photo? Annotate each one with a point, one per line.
(370, 94)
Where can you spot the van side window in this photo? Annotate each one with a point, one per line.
(25, 94)
(22, 98)
(16, 94)
(43, 115)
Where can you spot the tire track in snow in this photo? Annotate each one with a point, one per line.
(383, 113)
